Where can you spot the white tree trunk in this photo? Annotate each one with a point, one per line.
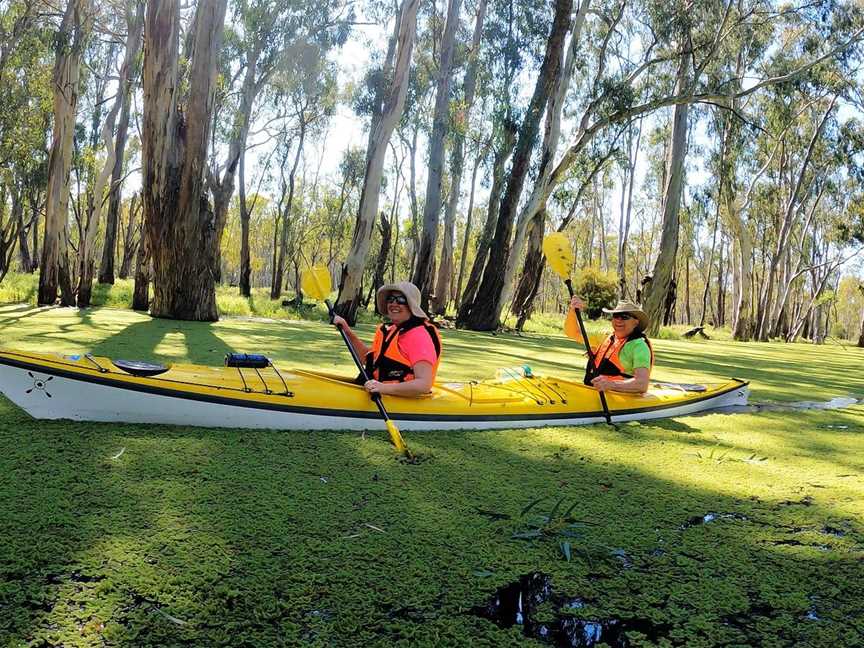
(352, 275)
(445, 268)
(423, 275)
(661, 277)
(71, 40)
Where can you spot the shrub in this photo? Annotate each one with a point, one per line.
(597, 288)
(19, 288)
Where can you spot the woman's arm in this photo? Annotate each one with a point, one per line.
(571, 325)
(361, 349)
(638, 384)
(421, 385)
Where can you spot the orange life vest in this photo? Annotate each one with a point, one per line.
(607, 361)
(385, 361)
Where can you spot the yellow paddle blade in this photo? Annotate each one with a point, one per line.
(397, 440)
(315, 282)
(559, 253)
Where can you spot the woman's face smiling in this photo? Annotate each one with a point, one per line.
(397, 312)
(624, 327)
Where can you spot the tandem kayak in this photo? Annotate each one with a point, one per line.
(89, 388)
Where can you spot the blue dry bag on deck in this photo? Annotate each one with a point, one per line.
(246, 360)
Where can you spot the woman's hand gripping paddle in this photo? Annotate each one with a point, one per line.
(558, 252)
(315, 282)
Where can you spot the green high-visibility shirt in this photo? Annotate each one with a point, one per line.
(635, 355)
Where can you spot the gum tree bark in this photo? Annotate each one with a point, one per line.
(485, 312)
(657, 289)
(352, 274)
(178, 221)
(423, 276)
(71, 40)
(457, 162)
(128, 73)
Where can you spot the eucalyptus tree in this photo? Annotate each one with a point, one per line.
(71, 39)
(423, 276)
(25, 104)
(861, 336)
(128, 76)
(102, 132)
(10, 219)
(482, 150)
(571, 196)
(312, 100)
(351, 169)
(504, 141)
(657, 290)
(415, 123)
(483, 312)
(551, 138)
(129, 230)
(644, 82)
(512, 44)
(798, 193)
(265, 40)
(178, 106)
(459, 131)
(393, 100)
(628, 177)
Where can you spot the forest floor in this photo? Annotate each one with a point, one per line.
(743, 529)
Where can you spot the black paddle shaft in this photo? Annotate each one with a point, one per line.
(375, 397)
(584, 333)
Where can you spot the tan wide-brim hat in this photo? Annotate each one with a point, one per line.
(633, 309)
(411, 292)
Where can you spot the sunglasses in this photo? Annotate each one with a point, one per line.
(622, 316)
(396, 299)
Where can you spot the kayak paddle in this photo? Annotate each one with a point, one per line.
(315, 282)
(559, 253)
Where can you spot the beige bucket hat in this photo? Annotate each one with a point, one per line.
(411, 292)
(633, 309)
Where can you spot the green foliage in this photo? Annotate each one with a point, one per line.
(597, 288)
(148, 536)
(556, 524)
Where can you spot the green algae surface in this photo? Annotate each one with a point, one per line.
(733, 530)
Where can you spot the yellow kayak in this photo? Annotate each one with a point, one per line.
(87, 388)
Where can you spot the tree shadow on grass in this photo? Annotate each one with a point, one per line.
(226, 537)
(785, 381)
(139, 341)
(18, 312)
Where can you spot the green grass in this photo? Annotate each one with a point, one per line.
(18, 288)
(128, 535)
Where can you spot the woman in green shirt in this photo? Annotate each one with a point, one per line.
(622, 361)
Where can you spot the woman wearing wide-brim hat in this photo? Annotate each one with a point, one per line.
(405, 353)
(623, 360)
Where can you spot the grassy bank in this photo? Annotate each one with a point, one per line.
(703, 531)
